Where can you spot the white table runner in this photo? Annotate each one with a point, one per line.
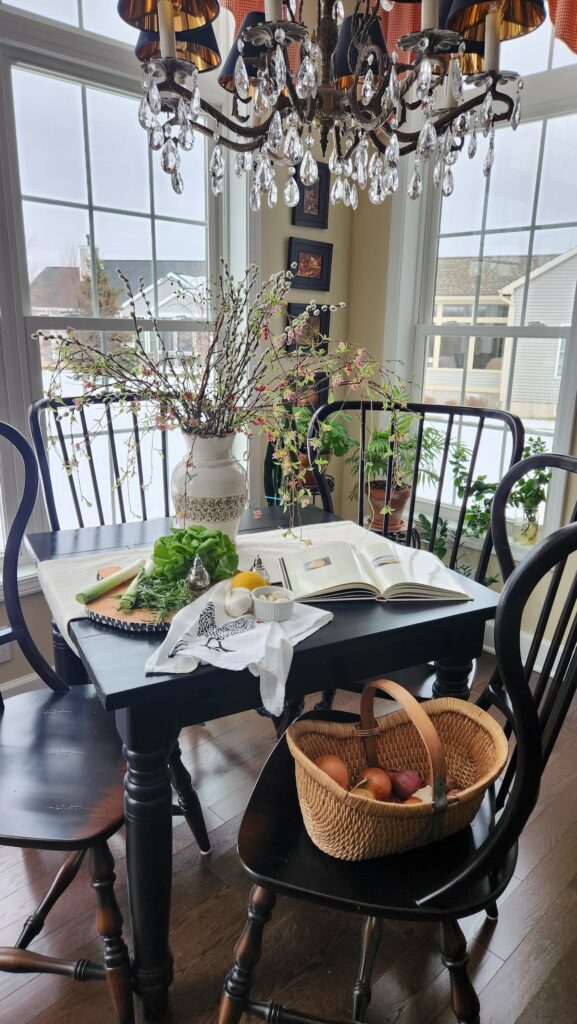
(62, 578)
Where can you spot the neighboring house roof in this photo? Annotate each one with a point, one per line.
(57, 287)
(544, 268)
(136, 269)
(457, 275)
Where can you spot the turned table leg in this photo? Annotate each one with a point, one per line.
(453, 678)
(148, 806)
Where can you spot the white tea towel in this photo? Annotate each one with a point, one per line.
(203, 632)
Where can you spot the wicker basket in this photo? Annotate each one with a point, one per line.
(435, 738)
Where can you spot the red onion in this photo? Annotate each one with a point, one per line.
(405, 783)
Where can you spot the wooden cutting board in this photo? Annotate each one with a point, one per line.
(105, 610)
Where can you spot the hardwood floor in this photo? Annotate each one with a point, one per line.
(523, 966)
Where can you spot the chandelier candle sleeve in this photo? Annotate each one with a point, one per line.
(430, 14)
(492, 39)
(166, 28)
(273, 10)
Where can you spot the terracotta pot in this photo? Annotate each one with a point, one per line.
(376, 501)
(305, 464)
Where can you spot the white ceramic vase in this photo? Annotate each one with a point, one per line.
(209, 485)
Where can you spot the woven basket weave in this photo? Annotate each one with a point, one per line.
(438, 738)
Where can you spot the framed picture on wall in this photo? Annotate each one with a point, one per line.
(311, 333)
(312, 209)
(312, 264)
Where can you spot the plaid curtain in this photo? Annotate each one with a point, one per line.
(564, 17)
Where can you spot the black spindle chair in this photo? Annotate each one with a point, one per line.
(445, 881)
(61, 783)
(468, 425)
(46, 414)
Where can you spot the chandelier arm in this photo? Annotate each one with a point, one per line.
(238, 147)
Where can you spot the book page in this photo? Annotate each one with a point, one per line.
(409, 571)
(326, 568)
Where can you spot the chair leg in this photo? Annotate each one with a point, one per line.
(109, 924)
(188, 801)
(66, 875)
(464, 999)
(326, 701)
(492, 912)
(291, 711)
(371, 937)
(246, 956)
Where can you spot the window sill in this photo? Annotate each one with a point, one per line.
(27, 582)
(517, 550)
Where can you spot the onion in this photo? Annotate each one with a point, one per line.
(405, 783)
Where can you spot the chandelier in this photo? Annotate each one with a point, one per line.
(337, 85)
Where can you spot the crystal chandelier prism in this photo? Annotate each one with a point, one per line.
(337, 86)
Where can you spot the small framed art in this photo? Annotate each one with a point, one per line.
(312, 209)
(311, 334)
(312, 264)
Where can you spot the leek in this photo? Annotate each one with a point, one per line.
(128, 598)
(109, 582)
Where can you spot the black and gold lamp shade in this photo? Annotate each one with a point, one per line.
(250, 53)
(346, 54)
(472, 59)
(518, 17)
(188, 14)
(199, 48)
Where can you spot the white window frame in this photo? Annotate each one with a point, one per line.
(411, 273)
(44, 45)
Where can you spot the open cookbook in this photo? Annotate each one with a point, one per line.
(378, 569)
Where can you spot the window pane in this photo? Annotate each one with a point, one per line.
(57, 246)
(551, 286)
(465, 209)
(58, 10)
(557, 194)
(533, 385)
(529, 53)
(488, 353)
(504, 264)
(457, 271)
(191, 205)
(50, 137)
(123, 243)
(513, 177)
(102, 17)
(462, 310)
(118, 152)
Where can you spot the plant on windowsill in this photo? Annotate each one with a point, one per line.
(530, 493)
(333, 439)
(402, 449)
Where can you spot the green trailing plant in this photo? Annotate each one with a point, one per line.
(403, 450)
(531, 491)
(333, 434)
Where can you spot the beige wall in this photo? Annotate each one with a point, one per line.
(38, 618)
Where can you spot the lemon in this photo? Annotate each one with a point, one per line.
(248, 579)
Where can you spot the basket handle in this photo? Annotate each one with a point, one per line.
(437, 777)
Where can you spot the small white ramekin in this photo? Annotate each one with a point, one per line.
(272, 611)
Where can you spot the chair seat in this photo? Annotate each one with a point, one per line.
(277, 853)
(61, 770)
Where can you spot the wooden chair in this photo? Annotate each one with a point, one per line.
(68, 664)
(445, 881)
(469, 425)
(61, 783)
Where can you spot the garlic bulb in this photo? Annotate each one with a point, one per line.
(238, 601)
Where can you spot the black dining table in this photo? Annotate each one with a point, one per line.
(364, 639)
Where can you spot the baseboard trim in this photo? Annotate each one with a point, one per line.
(22, 684)
(526, 641)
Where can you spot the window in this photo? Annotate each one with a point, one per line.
(85, 197)
(505, 268)
(560, 358)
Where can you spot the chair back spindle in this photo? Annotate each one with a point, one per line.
(446, 427)
(46, 417)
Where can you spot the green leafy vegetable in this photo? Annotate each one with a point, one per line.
(174, 554)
